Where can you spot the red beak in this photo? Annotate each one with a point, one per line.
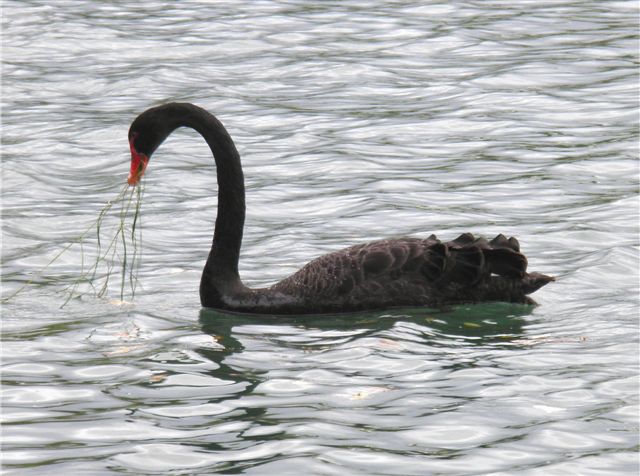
(139, 163)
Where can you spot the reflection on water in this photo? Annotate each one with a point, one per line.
(479, 324)
(354, 123)
(328, 337)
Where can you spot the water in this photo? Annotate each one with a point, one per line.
(355, 121)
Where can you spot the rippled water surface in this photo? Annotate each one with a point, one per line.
(355, 120)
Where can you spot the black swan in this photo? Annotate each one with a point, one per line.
(402, 272)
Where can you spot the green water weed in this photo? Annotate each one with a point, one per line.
(119, 250)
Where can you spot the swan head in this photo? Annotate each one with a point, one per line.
(146, 134)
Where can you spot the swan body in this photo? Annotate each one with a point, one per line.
(406, 272)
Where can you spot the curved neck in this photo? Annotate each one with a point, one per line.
(221, 269)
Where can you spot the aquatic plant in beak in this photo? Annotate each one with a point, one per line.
(115, 254)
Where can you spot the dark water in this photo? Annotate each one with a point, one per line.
(355, 121)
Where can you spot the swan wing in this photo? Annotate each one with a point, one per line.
(413, 271)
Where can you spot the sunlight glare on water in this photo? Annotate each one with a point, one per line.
(355, 121)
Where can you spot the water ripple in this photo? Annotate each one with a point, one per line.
(354, 123)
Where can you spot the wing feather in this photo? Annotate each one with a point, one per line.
(418, 271)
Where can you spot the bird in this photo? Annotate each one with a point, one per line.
(383, 274)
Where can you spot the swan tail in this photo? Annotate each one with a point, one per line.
(480, 270)
(534, 281)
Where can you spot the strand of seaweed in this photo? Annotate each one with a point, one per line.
(107, 253)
